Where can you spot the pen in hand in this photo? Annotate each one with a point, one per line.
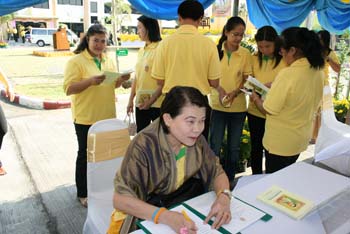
(186, 215)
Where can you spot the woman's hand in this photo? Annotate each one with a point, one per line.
(177, 222)
(97, 80)
(254, 97)
(130, 107)
(220, 210)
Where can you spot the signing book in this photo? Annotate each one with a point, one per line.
(291, 204)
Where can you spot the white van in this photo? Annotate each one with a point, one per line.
(43, 36)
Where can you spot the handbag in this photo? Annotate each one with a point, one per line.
(130, 121)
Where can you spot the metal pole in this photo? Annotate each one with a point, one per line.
(235, 7)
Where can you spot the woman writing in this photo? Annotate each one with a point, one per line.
(91, 100)
(170, 162)
(293, 99)
(144, 85)
(230, 112)
(266, 65)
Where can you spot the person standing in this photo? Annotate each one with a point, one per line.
(92, 100)
(229, 115)
(144, 85)
(187, 58)
(267, 62)
(293, 99)
(331, 60)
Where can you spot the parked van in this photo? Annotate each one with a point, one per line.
(43, 36)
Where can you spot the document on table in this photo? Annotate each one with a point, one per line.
(243, 215)
(152, 228)
(113, 76)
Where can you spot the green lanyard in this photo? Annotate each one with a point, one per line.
(98, 63)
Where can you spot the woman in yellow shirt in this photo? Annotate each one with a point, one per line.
(228, 114)
(331, 60)
(92, 100)
(267, 62)
(144, 85)
(293, 99)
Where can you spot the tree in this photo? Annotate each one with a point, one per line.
(120, 11)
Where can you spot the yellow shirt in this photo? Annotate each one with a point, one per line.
(145, 84)
(233, 68)
(186, 58)
(292, 101)
(334, 57)
(265, 73)
(97, 102)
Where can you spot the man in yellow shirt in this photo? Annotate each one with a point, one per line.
(187, 58)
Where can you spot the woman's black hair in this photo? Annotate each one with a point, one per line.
(177, 98)
(190, 9)
(268, 33)
(307, 42)
(94, 29)
(231, 24)
(325, 37)
(152, 28)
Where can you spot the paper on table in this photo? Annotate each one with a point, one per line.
(113, 76)
(242, 214)
(162, 228)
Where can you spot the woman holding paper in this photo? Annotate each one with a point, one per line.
(229, 114)
(91, 100)
(144, 85)
(267, 62)
(293, 99)
(170, 162)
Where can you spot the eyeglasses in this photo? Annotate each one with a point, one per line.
(236, 34)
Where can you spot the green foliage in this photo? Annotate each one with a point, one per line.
(343, 52)
(341, 107)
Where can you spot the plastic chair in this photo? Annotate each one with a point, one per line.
(332, 145)
(107, 143)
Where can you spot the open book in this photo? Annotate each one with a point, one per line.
(292, 204)
(243, 215)
(253, 84)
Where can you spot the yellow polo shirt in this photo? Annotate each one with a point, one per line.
(97, 102)
(233, 68)
(186, 58)
(265, 73)
(334, 57)
(145, 84)
(292, 101)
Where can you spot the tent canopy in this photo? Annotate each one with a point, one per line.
(10, 6)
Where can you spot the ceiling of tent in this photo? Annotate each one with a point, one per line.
(10, 6)
(333, 15)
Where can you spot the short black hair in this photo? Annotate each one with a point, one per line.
(177, 98)
(191, 9)
(152, 28)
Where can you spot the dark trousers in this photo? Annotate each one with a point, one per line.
(275, 162)
(81, 162)
(145, 117)
(257, 130)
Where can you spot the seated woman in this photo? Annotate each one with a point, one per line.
(170, 162)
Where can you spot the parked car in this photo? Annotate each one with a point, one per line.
(43, 36)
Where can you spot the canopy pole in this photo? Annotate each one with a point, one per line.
(235, 6)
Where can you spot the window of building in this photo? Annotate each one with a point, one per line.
(70, 2)
(44, 5)
(108, 7)
(94, 19)
(93, 7)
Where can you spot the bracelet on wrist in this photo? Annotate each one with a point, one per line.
(156, 214)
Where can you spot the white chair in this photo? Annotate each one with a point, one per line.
(333, 142)
(107, 143)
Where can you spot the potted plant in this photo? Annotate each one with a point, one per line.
(245, 147)
(341, 108)
(3, 44)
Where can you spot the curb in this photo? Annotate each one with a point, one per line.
(36, 103)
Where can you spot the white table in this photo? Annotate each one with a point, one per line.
(304, 179)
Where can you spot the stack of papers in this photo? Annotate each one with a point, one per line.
(111, 76)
